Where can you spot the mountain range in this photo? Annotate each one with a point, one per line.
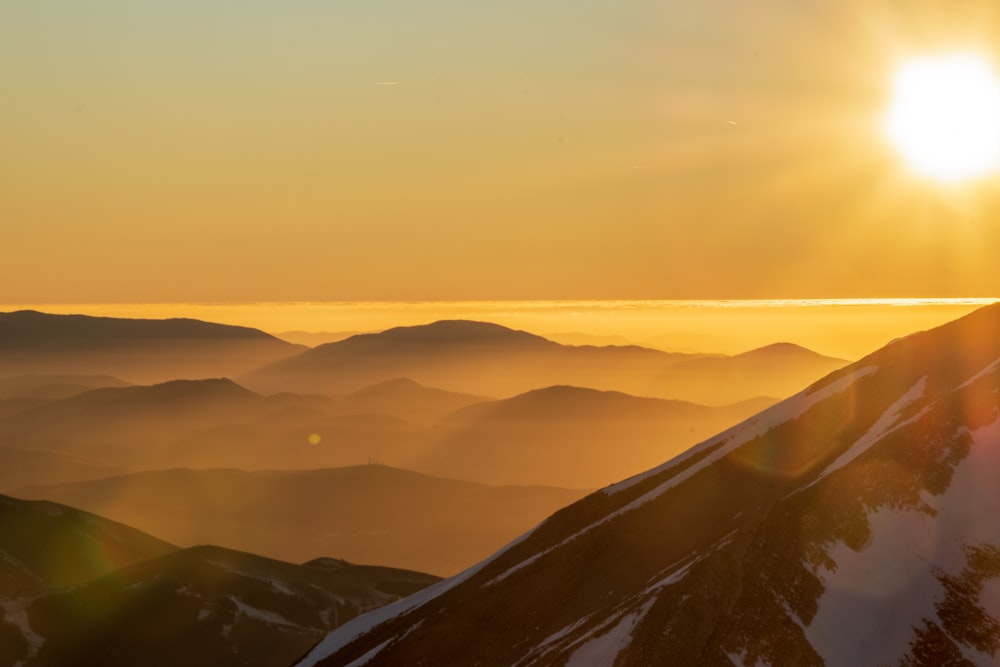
(851, 524)
(598, 435)
(488, 359)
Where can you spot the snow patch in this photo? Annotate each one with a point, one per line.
(604, 649)
(358, 626)
(260, 614)
(15, 612)
(876, 596)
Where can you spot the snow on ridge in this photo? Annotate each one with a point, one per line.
(883, 426)
(736, 436)
(345, 634)
(986, 371)
(260, 614)
(366, 658)
(731, 440)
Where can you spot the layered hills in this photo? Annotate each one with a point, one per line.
(369, 513)
(488, 359)
(851, 524)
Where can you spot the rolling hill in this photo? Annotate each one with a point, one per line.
(570, 437)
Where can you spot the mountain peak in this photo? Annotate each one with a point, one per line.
(459, 331)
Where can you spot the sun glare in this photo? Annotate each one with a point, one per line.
(945, 117)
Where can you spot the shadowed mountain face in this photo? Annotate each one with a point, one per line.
(370, 514)
(203, 606)
(77, 589)
(43, 544)
(139, 351)
(852, 524)
(482, 358)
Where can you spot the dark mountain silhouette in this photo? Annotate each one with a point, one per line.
(571, 437)
(200, 606)
(852, 524)
(138, 351)
(78, 589)
(44, 544)
(371, 514)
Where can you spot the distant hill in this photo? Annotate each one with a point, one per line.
(213, 423)
(571, 437)
(123, 418)
(314, 338)
(405, 399)
(463, 356)
(773, 370)
(138, 351)
(371, 514)
(33, 464)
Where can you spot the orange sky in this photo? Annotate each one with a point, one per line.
(300, 150)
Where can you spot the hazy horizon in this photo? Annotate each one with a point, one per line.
(846, 328)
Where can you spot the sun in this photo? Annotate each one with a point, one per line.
(945, 117)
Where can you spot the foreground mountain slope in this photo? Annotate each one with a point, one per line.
(135, 350)
(852, 524)
(367, 514)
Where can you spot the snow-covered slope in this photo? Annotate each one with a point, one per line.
(852, 524)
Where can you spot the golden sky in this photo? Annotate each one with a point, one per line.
(310, 150)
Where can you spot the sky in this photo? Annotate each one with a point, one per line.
(325, 150)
